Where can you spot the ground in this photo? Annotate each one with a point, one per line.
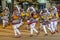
(8, 34)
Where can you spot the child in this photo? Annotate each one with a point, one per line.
(54, 22)
(16, 23)
(22, 14)
(32, 24)
(41, 19)
(27, 17)
(45, 22)
(5, 17)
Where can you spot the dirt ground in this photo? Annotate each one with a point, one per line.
(8, 34)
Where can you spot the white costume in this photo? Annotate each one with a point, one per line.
(5, 17)
(16, 23)
(32, 26)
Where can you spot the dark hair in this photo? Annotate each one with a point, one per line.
(15, 8)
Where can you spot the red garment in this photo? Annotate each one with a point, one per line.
(30, 23)
(59, 10)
